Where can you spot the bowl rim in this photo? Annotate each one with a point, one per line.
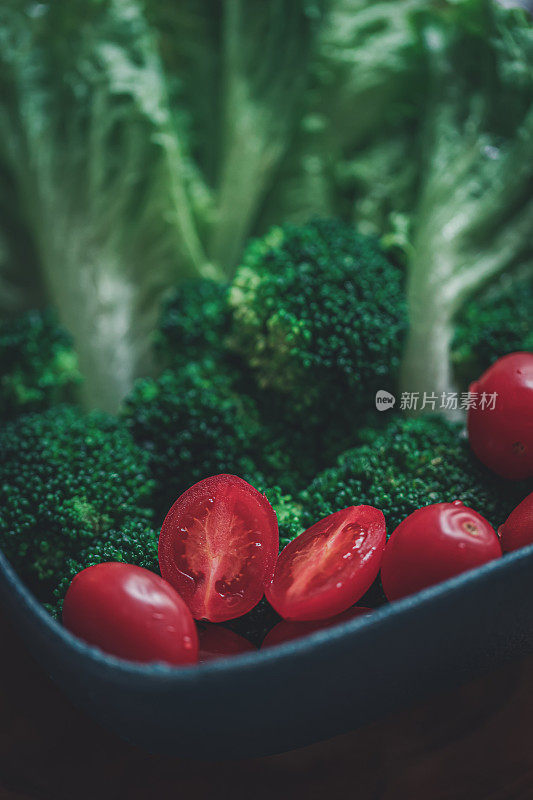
(305, 646)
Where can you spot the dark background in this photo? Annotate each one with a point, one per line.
(474, 743)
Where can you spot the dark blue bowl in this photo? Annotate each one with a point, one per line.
(300, 692)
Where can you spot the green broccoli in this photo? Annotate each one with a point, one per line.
(194, 323)
(288, 511)
(74, 491)
(497, 322)
(193, 424)
(319, 313)
(411, 463)
(38, 365)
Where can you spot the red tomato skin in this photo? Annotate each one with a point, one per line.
(433, 544)
(131, 613)
(346, 589)
(204, 600)
(218, 642)
(503, 438)
(517, 530)
(287, 631)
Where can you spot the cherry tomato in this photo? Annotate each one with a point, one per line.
(131, 613)
(286, 631)
(218, 642)
(330, 566)
(517, 530)
(435, 543)
(502, 438)
(218, 547)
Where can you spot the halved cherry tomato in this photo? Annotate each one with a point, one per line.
(218, 547)
(218, 642)
(285, 631)
(435, 543)
(517, 530)
(502, 437)
(131, 613)
(330, 566)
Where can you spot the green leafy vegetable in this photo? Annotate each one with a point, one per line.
(474, 211)
(94, 156)
(144, 143)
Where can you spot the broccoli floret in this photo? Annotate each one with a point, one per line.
(288, 512)
(38, 365)
(493, 324)
(193, 423)
(194, 323)
(74, 491)
(319, 313)
(411, 463)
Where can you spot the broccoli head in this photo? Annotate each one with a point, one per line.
(409, 464)
(73, 492)
(495, 323)
(319, 313)
(194, 323)
(38, 365)
(193, 424)
(288, 512)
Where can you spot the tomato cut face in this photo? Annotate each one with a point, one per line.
(218, 547)
(330, 566)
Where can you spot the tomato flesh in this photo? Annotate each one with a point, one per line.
(218, 547)
(286, 631)
(218, 642)
(502, 437)
(132, 613)
(517, 530)
(433, 544)
(330, 566)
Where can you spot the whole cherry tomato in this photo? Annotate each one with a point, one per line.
(218, 642)
(502, 436)
(131, 613)
(218, 547)
(517, 530)
(330, 566)
(286, 631)
(435, 543)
